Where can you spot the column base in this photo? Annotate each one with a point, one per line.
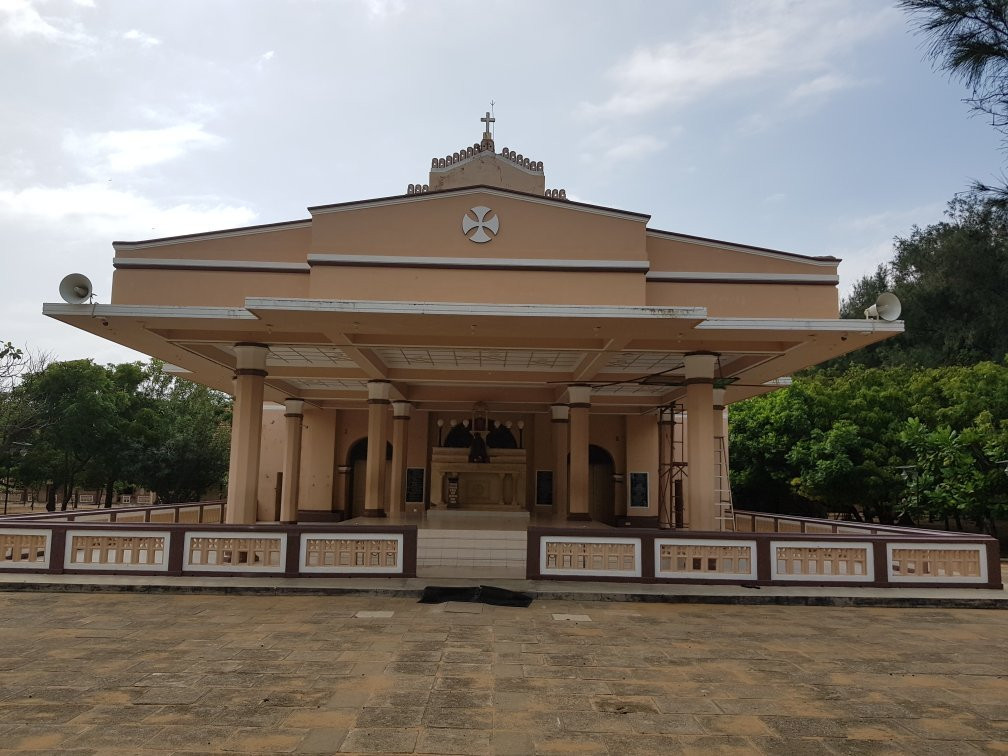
(579, 516)
(375, 513)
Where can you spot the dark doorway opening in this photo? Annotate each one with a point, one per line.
(356, 479)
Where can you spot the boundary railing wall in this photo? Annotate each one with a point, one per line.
(182, 549)
(190, 512)
(889, 559)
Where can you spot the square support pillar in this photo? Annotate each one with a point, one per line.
(246, 434)
(559, 430)
(700, 440)
(377, 439)
(580, 403)
(400, 441)
(294, 417)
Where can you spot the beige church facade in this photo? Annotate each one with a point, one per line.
(479, 343)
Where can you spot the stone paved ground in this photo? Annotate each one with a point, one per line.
(102, 673)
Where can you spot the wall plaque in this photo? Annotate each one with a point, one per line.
(638, 490)
(415, 485)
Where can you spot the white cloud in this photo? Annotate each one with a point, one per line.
(20, 19)
(112, 213)
(893, 221)
(129, 151)
(820, 86)
(634, 147)
(604, 145)
(759, 40)
(141, 38)
(382, 9)
(265, 58)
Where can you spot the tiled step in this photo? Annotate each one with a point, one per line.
(471, 553)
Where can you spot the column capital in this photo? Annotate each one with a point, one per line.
(378, 391)
(293, 407)
(579, 396)
(401, 410)
(250, 357)
(719, 398)
(560, 413)
(699, 367)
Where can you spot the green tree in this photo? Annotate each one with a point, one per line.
(184, 440)
(80, 419)
(836, 442)
(115, 460)
(19, 417)
(952, 278)
(969, 40)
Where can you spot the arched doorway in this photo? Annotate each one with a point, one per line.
(357, 478)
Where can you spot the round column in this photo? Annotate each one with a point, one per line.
(294, 417)
(699, 369)
(400, 440)
(580, 403)
(374, 486)
(559, 427)
(246, 434)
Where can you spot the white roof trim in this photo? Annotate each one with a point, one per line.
(534, 199)
(798, 324)
(721, 277)
(59, 309)
(789, 256)
(259, 266)
(405, 261)
(476, 309)
(252, 230)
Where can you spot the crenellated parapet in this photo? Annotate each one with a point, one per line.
(521, 161)
(556, 194)
(481, 165)
(466, 153)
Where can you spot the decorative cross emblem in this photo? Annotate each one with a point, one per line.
(482, 224)
(488, 119)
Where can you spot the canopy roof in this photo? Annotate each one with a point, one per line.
(482, 285)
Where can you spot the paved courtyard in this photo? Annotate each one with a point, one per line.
(97, 673)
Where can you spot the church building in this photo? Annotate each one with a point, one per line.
(479, 343)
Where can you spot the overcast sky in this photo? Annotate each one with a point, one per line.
(812, 127)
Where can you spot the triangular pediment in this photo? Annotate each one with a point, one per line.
(478, 221)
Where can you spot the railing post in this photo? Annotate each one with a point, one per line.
(648, 558)
(763, 558)
(992, 548)
(176, 551)
(57, 550)
(293, 566)
(880, 558)
(532, 555)
(410, 552)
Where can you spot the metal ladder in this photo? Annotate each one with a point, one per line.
(722, 489)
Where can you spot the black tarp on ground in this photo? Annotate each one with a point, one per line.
(483, 594)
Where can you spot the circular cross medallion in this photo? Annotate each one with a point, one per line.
(481, 224)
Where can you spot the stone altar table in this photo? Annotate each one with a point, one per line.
(497, 485)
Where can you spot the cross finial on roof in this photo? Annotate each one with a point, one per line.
(487, 119)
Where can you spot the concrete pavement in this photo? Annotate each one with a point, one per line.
(131, 673)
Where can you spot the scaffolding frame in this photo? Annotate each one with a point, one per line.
(671, 465)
